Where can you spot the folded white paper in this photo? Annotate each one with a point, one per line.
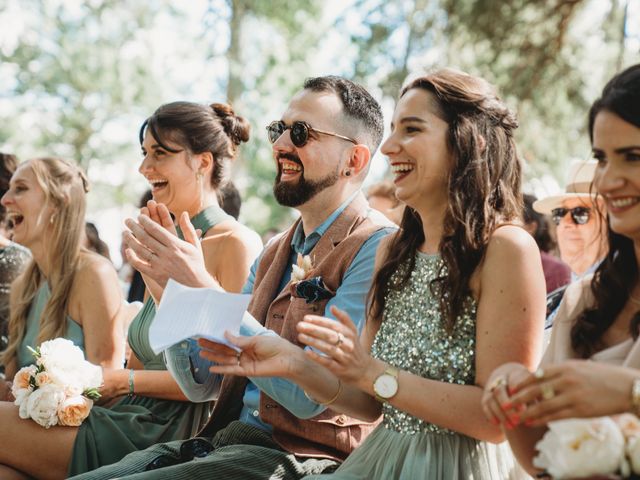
(186, 312)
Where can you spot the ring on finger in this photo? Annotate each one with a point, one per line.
(547, 391)
(539, 373)
(498, 382)
(339, 340)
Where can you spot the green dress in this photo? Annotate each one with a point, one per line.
(412, 337)
(137, 422)
(30, 339)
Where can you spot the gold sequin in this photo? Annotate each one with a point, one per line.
(412, 337)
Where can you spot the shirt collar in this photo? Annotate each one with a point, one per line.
(303, 245)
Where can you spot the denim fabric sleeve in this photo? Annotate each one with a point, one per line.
(351, 297)
(191, 371)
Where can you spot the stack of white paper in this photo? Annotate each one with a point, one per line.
(186, 312)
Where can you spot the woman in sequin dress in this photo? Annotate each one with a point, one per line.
(458, 291)
(596, 331)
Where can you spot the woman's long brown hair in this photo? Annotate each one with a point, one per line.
(484, 189)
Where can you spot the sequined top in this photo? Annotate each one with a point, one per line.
(412, 337)
(13, 259)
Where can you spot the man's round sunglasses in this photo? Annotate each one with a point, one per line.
(579, 215)
(299, 132)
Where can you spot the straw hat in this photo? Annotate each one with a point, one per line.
(578, 186)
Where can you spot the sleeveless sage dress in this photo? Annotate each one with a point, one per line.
(412, 337)
(137, 422)
(74, 330)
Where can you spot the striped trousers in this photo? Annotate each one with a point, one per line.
(240, 452)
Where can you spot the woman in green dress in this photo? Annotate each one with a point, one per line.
(459, 290)
(187, 149)
(65, 291)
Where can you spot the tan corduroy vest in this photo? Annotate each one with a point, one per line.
(330, 434)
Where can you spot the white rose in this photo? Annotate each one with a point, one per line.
(581, 448)
(20, 396)
(633, 452)
(23, 411)
(91, 376)
(60, 353)
(43, 404)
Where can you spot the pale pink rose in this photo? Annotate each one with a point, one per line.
(43, 378)
(21, 379)
(74, 410)
(629, 424)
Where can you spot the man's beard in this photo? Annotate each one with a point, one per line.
(291, 194)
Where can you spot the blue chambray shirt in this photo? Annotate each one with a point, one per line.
(192, 371)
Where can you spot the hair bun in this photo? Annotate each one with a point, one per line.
(236, 127)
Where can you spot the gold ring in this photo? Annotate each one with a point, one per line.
(340, 340)
(498, 382)
(539, 373)
(547, 391)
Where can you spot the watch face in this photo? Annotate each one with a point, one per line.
(386, 385)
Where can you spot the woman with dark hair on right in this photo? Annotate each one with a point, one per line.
(13, 257)
(459, 290)
(599, 317)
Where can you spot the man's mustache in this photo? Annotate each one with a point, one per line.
(289, 156)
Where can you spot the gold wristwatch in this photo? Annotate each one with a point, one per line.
(385, 386)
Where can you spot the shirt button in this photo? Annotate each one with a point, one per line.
(196, 370)
(255, 413)
(341, 420)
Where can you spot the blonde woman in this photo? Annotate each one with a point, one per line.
(65, 290)
(187, 149)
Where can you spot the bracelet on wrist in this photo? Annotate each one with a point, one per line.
(131, 389)
(329, 402)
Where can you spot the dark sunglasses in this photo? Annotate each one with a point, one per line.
(193, 448)
(579, 215)
(299, 132)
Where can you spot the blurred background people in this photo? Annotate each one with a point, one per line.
(230, 200)
(579, 218)
(128, 274)
(93, 242)
(13, 257)
(382, 197)
(556, 272)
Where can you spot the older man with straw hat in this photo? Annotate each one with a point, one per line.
(580, 219)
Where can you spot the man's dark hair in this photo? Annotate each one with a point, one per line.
(358, 104)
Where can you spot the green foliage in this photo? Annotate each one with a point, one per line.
(79, 77)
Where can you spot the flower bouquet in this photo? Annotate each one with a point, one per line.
(60, 388)
(603, 447)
